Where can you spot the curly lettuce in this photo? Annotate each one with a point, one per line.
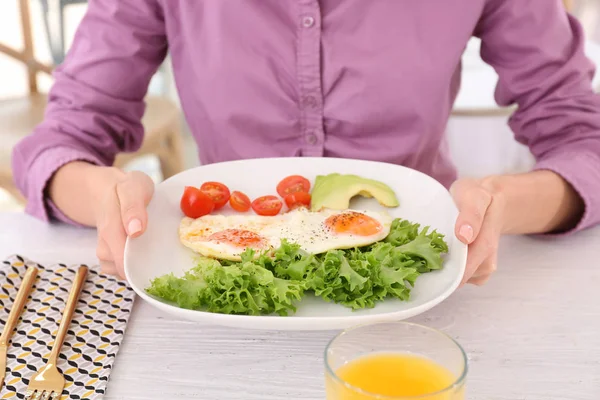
(242, 288)
(265, 284)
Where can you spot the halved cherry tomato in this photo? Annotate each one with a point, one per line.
(218, 192)
(298, 199)
(293, 184)
(195, 203)
(267, 205)
(239, 201)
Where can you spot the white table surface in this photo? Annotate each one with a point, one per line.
(532, 333)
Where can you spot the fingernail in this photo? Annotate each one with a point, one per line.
(135, 226)
(466, 231)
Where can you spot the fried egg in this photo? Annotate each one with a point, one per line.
(226, 237)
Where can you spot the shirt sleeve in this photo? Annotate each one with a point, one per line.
(96, 103)
(537, 49)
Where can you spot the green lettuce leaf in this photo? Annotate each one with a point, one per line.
(291, 262)
(344, 277)
(273, 283)
(427, 248)
(402, 232)
(242, 288)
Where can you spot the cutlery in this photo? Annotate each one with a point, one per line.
(13, 316)
(48, 382)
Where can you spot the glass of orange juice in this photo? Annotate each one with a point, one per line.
(394, 361)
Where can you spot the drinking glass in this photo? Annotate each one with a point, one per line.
(425, 355)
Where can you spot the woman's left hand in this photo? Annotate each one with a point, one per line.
(479, 225)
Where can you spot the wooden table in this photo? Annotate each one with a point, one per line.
(532, 333)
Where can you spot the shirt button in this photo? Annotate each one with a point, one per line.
(311, 139)
(310, 101)
(308, 22)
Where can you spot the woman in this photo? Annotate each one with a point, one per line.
(358, 79)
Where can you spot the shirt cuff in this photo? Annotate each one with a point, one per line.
(39, 174)
(581, 170)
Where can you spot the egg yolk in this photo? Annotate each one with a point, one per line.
(353, 223)
(238, 238)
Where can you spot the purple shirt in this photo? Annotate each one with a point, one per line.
(365, 79)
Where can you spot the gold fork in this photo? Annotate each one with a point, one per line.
(13, 316)
(48, 383)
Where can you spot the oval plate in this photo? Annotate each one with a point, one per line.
(422, 199)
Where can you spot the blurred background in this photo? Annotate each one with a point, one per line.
(46, 34)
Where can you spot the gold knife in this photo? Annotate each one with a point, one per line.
(13, 317)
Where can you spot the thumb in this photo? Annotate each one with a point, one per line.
(472, 201)
(134, 193)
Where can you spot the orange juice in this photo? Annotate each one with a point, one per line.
(393, 375)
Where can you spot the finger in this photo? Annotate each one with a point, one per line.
(108, 268)
(105, 257)
(480, 281)
(103, 251)
(134, 194)
(485, 271)
(488, 267)
(486, 243)
(113, 233)
(472, 201)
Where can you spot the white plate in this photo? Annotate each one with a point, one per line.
(422, 199)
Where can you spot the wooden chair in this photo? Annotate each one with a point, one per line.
(54, 24)
(569, 4)
(18, 117)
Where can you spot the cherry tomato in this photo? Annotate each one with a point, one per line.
(195, 203)
(267, 205)
(239, 201)
(298, 199)
(218, 192)
(293, 184)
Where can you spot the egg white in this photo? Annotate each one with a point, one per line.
(194, 233)
(302, 227)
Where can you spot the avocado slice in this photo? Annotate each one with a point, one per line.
(335, 190)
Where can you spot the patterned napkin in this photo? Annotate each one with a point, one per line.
(94, 336)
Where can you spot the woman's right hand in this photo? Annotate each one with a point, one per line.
(105, 197)
(121, 213)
